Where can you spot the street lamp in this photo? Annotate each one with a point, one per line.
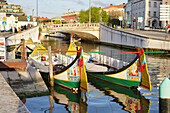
(89, 11)
(68, 14)
(37, 13)
(37, 8)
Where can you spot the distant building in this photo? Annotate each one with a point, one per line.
(165, 9)
(57, 18)
(143, 13)
(115, 11)
(71, 17)
(42, 19)
(10, 9)
(128, 13)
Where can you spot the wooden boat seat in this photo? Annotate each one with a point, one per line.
(96, 68)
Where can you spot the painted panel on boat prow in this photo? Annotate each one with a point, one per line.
(145, 79)
(72, 47)
(83, 74)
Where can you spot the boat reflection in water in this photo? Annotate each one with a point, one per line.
(74, 102)
(132, 101)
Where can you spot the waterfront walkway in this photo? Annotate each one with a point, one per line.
(9, 102)
(149, 34)
(23, 83)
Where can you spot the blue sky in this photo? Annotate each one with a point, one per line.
(53, 8)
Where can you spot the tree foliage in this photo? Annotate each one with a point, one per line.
(97, 15)
(114, 21)
(57, 22)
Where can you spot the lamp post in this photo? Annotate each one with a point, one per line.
(68, 14)
(37, 13)
(37, 8)
(89, 11)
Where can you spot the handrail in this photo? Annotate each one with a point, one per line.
(76, 25)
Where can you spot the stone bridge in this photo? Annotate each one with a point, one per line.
(104, 34)
(85, 31)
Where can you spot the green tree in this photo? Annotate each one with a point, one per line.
(57, 22)
(97, 15)
(114, 22)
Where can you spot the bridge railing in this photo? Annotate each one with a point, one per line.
(75, 25)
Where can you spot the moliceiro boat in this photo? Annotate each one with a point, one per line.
(68, 72)
(129, 75)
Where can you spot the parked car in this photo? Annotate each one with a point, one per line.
(145, 28)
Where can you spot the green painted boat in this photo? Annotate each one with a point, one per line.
(129, 75)
(68, 72)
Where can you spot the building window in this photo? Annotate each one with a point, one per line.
(149, 4)
(154, 13)
(139, 14)
(149, 13)
(155, 4)
(139, 5)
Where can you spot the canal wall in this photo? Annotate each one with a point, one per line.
(25, 83)
(9, 102)
(15, 38)
(112, 36)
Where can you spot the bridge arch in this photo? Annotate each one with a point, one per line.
(84, 30)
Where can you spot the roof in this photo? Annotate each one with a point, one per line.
(57, 18)
(41, 18)
(117, 6)
(2, 0)
(21, 18)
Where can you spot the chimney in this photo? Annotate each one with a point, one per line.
(123, 3)
(110, 4)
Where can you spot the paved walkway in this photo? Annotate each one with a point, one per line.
(149, 34)
(9, 102)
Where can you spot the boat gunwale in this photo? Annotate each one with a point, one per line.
(67, 67)
(115, 71)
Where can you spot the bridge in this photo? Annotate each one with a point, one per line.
(85, 31)
(104, 34)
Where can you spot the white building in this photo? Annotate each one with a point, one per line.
(128, 13)
(147, 10)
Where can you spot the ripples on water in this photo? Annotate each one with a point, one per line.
(104, 97)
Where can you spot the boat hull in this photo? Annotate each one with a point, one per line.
(67, 84)
(117, 81)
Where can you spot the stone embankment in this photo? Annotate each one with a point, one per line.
(9, 102)
(21, 83)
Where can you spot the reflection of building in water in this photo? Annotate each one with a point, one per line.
(131, 101)
(73, 102)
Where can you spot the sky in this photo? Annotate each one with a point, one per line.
(54, 8)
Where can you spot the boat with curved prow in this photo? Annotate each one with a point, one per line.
(129, 75)
(68, 72)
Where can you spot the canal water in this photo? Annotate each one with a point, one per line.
(104, 97)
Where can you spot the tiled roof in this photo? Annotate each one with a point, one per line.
(40, 18)
(117, 6)
(57, 18)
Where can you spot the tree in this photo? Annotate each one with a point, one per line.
(97, 15)
(114, 22)
(57, 22)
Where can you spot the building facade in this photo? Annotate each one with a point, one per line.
(128, 13)
(144, 13)
(165, 12)
(10, 9)
(115, 11)
(71, 16)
